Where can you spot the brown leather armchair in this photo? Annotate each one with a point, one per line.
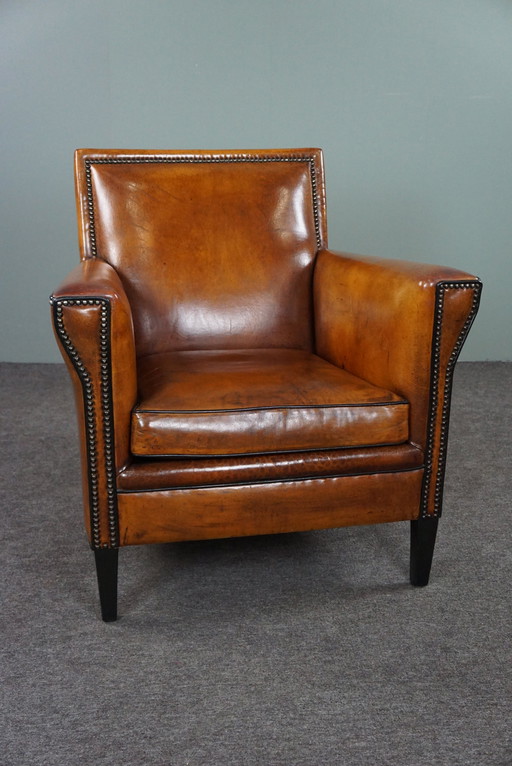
(235, 377)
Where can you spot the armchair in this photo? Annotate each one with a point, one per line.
(235, 377)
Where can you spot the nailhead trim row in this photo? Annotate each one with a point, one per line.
(199, 159)
(441, 289)
(90, 406)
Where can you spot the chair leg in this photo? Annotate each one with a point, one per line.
(106, 570)
(423, 539)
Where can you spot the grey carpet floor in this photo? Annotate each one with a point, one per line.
(307, 649)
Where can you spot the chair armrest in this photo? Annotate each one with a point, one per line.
(401, 326)
(93, 325)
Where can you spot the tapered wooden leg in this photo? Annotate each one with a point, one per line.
(106, 570)
(423, 540)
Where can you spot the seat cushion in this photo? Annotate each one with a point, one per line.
(202, 403)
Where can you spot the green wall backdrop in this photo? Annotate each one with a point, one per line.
(411, 101)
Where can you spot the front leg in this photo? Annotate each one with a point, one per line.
(423, 540)
(106, 570)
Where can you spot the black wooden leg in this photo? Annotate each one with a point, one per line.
(423, 539)
(106, 569)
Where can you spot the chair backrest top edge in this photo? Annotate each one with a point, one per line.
(298, 154)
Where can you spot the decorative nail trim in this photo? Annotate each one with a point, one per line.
(441, 289)
(143, 159)
(90, 411)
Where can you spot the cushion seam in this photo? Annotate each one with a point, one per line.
(271, 409)
(192, 456)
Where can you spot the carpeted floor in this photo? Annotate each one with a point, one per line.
(305, 649)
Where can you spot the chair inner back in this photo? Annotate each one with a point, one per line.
(215, 250)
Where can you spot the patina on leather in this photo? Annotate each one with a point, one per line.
(258, 401)
(234, 376)
(233, 241)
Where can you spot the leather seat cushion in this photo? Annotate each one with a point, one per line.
(254, 401)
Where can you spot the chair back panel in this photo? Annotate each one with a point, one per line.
(215, 250)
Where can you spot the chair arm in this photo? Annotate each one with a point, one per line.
(401, 326)
(93, 325)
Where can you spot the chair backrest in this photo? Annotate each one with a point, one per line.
(215, 249)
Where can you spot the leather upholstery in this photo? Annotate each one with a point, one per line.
(146, 474)
(247, 228)
(89, 299)
(258, 401)
(399, 325)
(201, 513)
(335, 369)
(375, 317)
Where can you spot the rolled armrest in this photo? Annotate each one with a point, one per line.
(401, 326)
(93, 325)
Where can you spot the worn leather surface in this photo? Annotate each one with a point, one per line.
(233, 242)
(146, 474)
(82, 324)
(91, 279)
(374, 317)
(294, 506)
(258, 401)
(226, 252)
